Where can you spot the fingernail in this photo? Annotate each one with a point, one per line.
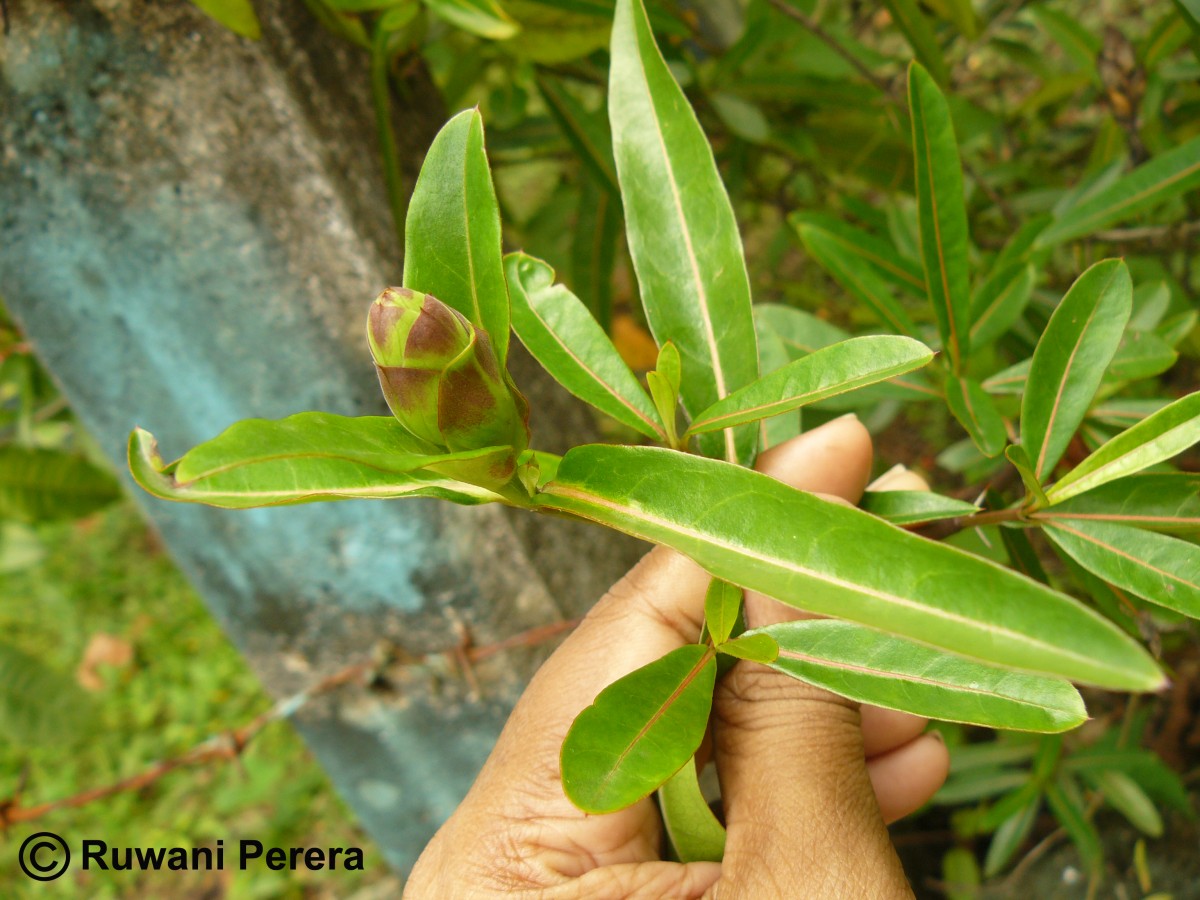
(887, 477)
(936, 735)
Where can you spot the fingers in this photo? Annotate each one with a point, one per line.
(801, 811)
(908, 776)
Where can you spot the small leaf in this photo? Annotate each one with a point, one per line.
(859, 280)
(976, 412)
(942, 211)
(1069, 362)
(876, 668)
(639, 731)
(1163, 569)
(694, 831)
(1020, 459)
(722, 603)
(914, 507)
(999, 302)
(1167, 175)
(308, 457)
(921, 37)
(877, 252)
(1160, 436)
(960, 872)
(452, 234)
(1068, 809)
(681, 231)
(564, 337)
(749, 529)
(664, 388)
(485, 18)
(1009, 838)
(825, 373)
(760, 648)
(41, 485)
(1140, 355)
(236, 15)
(1123, 794)
(1159, 502)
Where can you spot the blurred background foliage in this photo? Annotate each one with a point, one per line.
(1052, 101)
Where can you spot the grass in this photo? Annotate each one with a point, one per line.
(182, 683)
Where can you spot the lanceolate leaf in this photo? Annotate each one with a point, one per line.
(311, 456)
(754, 531)
(1141, 354)
(758, 647)
(976, 413)
(1169, 174)
(1157, 502)
(680, 227)
(1000, 301)
(872, 667)
(38, 485)
(914, 507)
(1160, 436)
(1069, 361)
(564, 337)
(452, 234)
(1163, 569)
(826, 373)
(877, 252)
(485, 18)
(722, 602)
(912, 22)
(943, 212)
(639, 731)
(859, 280)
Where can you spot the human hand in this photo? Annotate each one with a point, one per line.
(808, 779)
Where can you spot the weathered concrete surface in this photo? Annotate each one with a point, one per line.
(191, 228)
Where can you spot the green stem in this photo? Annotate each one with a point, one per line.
(382, 101)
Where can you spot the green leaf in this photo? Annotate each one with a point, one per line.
(1020, 459)
(680, 228)
(773, 355)
(1141, 354)
(876, 668)
(760, 648)
(942, 211)
(1067, 807)
(1160, 436)
(877, 252)
(801, 332)
(1022, 555)
(586, 131)
(1190, 11)
(1157, 502)
(960, 872)
(639, 731)
(1162, 569)
(694, 831)
(485, 18)
(452, 234)
(722, 602)
(1123, 794)
(1080, 45)
(1069, 361)
(1167, 175)
(664, 388)
(976, 412)
(914, 507)
(308, 457)
(40, 706)
(754, 531)
(999, 302)
(825, 373)
(1123, 413)
(236, 15)
(1009, 837)
(564, 337)
(921, 37)
(41, 485)
(1010, 382)
(859, 280)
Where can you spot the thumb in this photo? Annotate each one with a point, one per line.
(801, 814)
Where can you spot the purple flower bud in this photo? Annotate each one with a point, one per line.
(440, 376)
